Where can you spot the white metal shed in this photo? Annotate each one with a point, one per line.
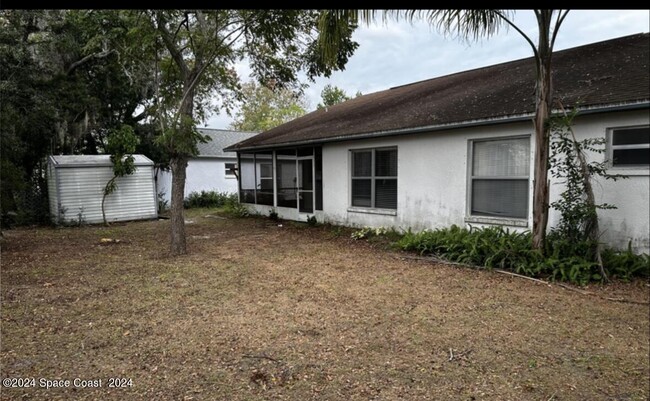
(76, 186)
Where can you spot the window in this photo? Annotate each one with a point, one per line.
(231, 168)
(374, 178)
(630, 147)
(499, 178)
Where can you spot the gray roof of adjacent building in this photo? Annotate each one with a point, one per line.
(220, 139)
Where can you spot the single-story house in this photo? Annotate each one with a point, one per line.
(459, 149)
(212, 169)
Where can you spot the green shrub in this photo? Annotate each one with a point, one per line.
(208, 199)
(336, 231)
(163, 204)
(273, 215)
(496, 247)
(235, 209)
(311, 221)
(626, 264)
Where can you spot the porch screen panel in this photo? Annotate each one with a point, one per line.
(247, 173)
(264, 178)
(286, 179)
(318, 172)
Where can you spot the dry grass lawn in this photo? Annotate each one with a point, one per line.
(261, 312)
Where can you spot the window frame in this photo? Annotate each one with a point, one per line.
(373, 178)
(499, 220)
(610, 147)
(230, 173)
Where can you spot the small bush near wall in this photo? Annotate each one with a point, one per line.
(495, 247)
(626, 264)
(233, 208)
(209, 199)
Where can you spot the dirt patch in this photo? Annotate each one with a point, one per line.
(259, 311)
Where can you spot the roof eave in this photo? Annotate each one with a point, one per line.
(233, 155)
(441, 127)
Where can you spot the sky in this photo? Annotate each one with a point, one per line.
(396, 53)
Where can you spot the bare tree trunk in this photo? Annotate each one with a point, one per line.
(542, 110)
(540, 190)
(178, 164)
(178, 244)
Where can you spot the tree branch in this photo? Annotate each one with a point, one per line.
(86, 59)
(560, 18)
(200, 67)
(516, 28)
(171, 46)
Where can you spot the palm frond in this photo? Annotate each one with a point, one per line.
(332, 28)
(467, 24)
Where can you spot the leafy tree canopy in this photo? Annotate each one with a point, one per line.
(332, 95)
(264, 108)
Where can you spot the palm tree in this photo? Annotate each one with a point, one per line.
(472, 25)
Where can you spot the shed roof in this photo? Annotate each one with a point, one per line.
(594, 76)
(219, 139)
(94, 160)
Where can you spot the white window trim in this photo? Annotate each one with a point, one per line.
(372, 177)
(366, 210)
(634, 169)
(496, 220)
(229, 176)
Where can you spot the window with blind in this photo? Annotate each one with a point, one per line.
(630, 147)
(499, 176)
(374, 178)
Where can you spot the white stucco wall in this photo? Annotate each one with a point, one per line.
(432, 178)
(433, 182)
(631, 220)
(203, 174)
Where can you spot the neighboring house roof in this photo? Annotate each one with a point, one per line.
(596, 76)
(221, 138)
(94, 160)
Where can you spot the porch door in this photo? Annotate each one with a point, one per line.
(305, 185)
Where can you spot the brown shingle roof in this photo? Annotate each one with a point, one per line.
(613, 72)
